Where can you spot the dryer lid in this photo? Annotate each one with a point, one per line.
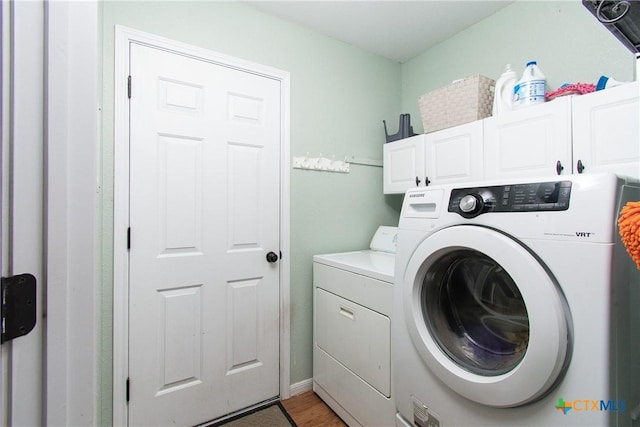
(375, 264)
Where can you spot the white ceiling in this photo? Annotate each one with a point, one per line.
(395, 29)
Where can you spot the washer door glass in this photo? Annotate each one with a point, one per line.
(486, 316)
(475, 312)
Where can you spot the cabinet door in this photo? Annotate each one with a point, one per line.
(531, 141)
(605, 131)
(403, 163)
(454, 154)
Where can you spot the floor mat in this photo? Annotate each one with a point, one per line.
(273, 415)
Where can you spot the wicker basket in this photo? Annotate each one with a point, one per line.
(462, 101)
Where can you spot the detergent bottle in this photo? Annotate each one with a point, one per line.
(531, 88)
(503, 95)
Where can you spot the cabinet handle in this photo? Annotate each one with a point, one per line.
(347, 312)
(559, 167)
(426, 181)
(417, 182)
(579, 166)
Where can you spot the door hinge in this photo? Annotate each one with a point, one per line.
(129, 87)
(127, 390)
(128, 238)
(18, 306)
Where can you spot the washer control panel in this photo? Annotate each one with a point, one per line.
(530, 197)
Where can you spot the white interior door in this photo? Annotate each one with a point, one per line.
(204, 214)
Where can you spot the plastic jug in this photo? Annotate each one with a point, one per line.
(531, 88)
(605, 82)
(503, 95)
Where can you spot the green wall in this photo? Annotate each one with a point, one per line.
(339, 95)
(568, 43)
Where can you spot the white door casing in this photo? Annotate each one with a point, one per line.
(4, 189)
(49, 122)
(549, 331)
(23, 357)
(72, 214)
(194, 233)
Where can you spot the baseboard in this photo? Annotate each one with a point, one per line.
(301, 387)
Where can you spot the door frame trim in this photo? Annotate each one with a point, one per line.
(72, 222)
(124, 37)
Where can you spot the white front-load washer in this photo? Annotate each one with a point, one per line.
(515, 304)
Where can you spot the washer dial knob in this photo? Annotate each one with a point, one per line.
(469, 203)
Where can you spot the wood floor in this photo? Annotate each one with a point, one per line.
(308, 410)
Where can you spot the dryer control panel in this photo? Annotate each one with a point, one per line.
(529, 197)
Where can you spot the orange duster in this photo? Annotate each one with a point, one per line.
(629, 228)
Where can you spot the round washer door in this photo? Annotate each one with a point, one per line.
(485, 316)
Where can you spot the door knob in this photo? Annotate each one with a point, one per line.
(272, 257)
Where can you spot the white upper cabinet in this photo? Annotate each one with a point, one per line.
(403, 164)
(605, 131)
(596, 132)
(446, 156)
(531, 141)
(454, 154)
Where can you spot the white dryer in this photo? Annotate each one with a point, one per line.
(353, 294)
(514, 306)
